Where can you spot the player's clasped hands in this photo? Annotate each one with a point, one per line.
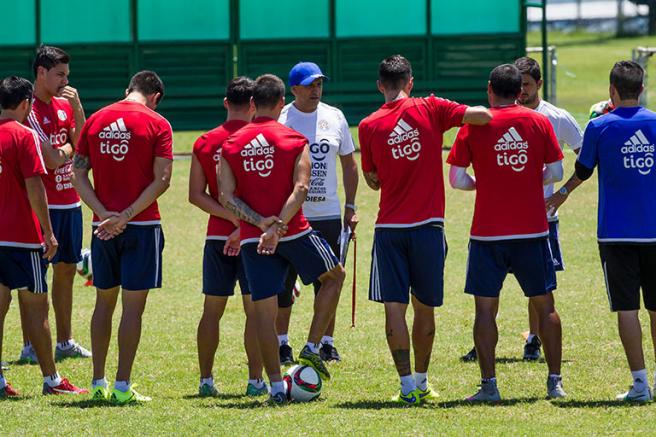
(112, 225)
(274, 229)
(232, 247)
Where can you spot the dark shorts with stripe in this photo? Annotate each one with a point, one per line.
(408, 260)
(67, 227)
(221, 272)
(554, 242)
(627, 269)
(23, 269)
(310, 255)
(132, 259)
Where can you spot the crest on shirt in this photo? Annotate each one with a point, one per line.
(61, 114)
(323, 125)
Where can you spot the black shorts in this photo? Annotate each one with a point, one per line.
(330, 230)
(628, 268)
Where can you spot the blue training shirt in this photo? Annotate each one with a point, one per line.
(622, 143)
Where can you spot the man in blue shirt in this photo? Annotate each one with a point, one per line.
(622, 144)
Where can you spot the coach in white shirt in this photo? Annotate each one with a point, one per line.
(328, 134)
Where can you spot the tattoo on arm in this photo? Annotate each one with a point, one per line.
(81, 162)
(129, 212)
(402, 361)
(243, 211)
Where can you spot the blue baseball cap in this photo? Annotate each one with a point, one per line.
(304, 73)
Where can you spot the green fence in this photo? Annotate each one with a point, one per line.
(197, 46)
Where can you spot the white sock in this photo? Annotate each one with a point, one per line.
(209, 381)
(3, 381)
(102, 382)
(277, 387)
(492, 381)
(314, 348)
(52, 380)
(639, 380)
(530, 338)
(257, 383)
(327, 340)
(65, 345)
(554, 375)
(283, 339)
(122, 385)
(407, 384)
(421, 380)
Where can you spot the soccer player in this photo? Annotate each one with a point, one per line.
(328, 133)
(513, 157)
(221, 264)
(264, 179)
(621, 144)
(567, 132)
(57, 116)
(128, 147)
(401, 146)
(27, 239)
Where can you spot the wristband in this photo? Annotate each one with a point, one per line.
(351, 207)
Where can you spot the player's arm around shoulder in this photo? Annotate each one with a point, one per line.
(477, 115)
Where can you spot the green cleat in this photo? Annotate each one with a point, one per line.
(208, 391)
(99, 393)
(412, 398)
(254, 392)
(429, 394)
(313, 360)
(131, 396)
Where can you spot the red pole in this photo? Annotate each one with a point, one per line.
(355, 270)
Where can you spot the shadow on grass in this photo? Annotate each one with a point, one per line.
(226, 396)
(90, 403)
(513, 360)
(237, 405)
(598, 404)
(377, 405)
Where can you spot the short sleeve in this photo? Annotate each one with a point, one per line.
(552, 150)
(460, 154)
(199, 144)
(588, 156)
(367, 163)
(448, 114)
(31, 162)
(346, 145)
(570, 132)
(164, 141)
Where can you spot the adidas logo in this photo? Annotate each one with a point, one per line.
(46, 120)
(115, 131)
(638, 144)
(402, 132)
(258, 146)
(509, 142)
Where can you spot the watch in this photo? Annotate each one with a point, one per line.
(351, 207)
(564, 191)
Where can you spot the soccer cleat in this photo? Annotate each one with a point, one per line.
(99, 393)
(328, 352)
(412, 398)
(469, 356)
(254, 392)
(488, 392)
(286, 355)
(75, 351)
(8, 392)
(28, 356)
(532, 349)
(555, 387)
(429, 394)
(64, 388)
(131, 396)
(278, 399)
(313, 360)
(207, 391)
(636, 396)
(4, 366)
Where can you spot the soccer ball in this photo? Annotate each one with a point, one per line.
(303, 383)
(84, 268)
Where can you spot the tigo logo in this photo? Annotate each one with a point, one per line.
(511, 141)
(115, 131)
(259, 156)
(638, 144)
(404, 140)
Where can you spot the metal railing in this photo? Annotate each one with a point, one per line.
(641, 55)
(552, 61)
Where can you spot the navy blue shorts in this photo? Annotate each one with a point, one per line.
(554, 242)
(67, 227)
(23, 269)
(133, 259)
(529, 260)
(408, 260)
(310, 255)
(221, 272)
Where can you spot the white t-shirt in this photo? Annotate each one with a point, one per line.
(328, 134)
(567, 132)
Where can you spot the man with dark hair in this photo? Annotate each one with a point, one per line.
(622, 144)
(27, 239)
(401, 147)
(509, 232)
(221, 264)
(264, 179)
(128, 146)
(57, 116)
(567, 132)
(328, 134)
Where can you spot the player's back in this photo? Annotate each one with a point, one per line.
(262, 156)
(122, 141)
(402, 143)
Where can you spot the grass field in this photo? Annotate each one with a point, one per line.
(356, 401)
